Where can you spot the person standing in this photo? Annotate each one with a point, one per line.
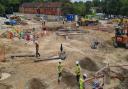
(61, 48)
(45, 31)
(21, 35)
(44, 22)
(81, 83)
(59, 69)
(33, 29)
(63, 21)
(27, 37)
(37, 49)
(77, 71)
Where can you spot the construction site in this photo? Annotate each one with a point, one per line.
(20, 69)
(54, 53)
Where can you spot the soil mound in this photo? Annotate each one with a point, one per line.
(88, 64)
(37, 84)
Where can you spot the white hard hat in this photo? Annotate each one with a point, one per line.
(85, 75)
(60, 60)
(77, 62)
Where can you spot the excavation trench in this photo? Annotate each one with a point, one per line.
(37, 84)
(88, 64)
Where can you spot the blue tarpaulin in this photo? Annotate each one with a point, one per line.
(70, 17)
(13, 22)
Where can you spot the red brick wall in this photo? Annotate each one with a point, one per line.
(48, 11)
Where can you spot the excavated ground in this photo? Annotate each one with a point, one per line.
(43, 75)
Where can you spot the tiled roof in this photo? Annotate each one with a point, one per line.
(46, 4)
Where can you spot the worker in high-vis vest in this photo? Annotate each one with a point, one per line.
(59, 69)
(81, 83)
(77, 71)
(21, 34)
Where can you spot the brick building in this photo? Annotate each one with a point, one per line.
(48, 8)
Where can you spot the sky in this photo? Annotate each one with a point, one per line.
(80, 0)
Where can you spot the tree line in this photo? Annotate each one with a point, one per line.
(108, 7)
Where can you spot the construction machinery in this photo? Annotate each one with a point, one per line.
(117, 20)
(121, 37)
(87, 22)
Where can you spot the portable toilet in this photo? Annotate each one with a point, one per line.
(70, 17)
(76, 18)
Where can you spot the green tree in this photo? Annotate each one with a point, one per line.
(2, 9)
(96, 3)
(79, 8)
(68, 8)
(111, 7)
(89, 5)
(124, 8)
(57, 0)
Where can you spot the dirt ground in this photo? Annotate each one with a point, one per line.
(27, 74)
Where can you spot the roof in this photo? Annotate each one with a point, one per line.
(31, 5)
(38, 4)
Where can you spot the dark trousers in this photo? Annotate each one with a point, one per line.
(37, 54)
(59, 77)
(77, 78)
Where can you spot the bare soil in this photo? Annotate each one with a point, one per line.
(43, 74)
(69, 79)
(37, 84)
(88, 64)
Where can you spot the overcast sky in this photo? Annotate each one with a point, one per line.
(80, 0)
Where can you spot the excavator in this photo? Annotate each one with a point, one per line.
(121, 36)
